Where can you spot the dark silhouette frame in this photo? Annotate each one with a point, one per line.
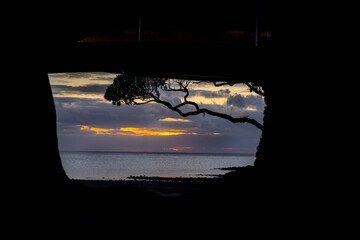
(295, 126)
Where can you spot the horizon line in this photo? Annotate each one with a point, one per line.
(174, 152)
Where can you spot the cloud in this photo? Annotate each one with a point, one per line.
(246, 102)
(211, 94)
(103, 115)
(70, 75)
(95, 112)
(104, 76)
(81, 90)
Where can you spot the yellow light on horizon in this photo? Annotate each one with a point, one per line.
(174, 149)
(136, 131)
(97, 130)
(144, 131)
(173, 120)
(101, 130)
(179, 148)
(130, 131)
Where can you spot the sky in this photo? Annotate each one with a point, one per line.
(87, 122)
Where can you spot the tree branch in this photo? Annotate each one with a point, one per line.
(207, 111)
(252, 88)
(143, 103)
(200, 110)
(224, 83)
(258, 91)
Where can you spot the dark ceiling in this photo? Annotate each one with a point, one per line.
(207, 42)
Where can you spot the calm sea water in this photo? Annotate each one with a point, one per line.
(120, 165)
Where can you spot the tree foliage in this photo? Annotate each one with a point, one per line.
(127, 89)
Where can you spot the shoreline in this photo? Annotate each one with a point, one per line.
(163, 186)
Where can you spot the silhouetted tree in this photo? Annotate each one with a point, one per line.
(142, 90)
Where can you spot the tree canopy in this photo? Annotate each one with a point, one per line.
(136, 90)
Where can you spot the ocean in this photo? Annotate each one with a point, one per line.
(122, 165)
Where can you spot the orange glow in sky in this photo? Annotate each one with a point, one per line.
(152, 131)
(173, 120)
(136, 131)
(97, 130)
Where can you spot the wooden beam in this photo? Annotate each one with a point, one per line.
(169, 60)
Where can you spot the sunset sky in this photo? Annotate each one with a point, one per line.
(87, 122)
